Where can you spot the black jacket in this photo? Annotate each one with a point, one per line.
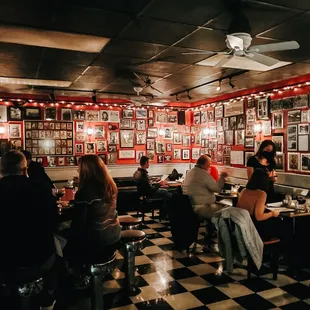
(144, 186)
(36, 172)
(27, 223)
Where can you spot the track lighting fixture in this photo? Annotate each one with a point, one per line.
(177, 98)
(220, 85)
(94, 97)
(52, 96)
(188, 96)
(231, 84)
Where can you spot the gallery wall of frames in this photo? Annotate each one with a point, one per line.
(229, 132)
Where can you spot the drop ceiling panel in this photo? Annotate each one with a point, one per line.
(112, 61)
(198, 70)
(161, 66)
(60, 72)
(151, 30)
(194, 12)
(70, 57)
(296, 4)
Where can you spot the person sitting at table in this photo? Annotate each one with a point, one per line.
(265, 159)
(201, 186)
(95, 228)
(36, 170)
(27, 225)
(149, 190)
(253, 198)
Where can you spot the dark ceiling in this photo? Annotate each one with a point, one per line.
(149, 37)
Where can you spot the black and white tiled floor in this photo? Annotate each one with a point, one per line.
(170, 279)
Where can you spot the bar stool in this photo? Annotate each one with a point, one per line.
(132, 241)
(130, 223)
(148, 204)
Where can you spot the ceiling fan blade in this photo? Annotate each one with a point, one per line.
(274, 47)
(139, 77)
(263, 59)
(223, 61)
(234, 42)
(199, 53)
(156, 89)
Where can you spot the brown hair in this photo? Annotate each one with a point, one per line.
(202, 160)
(94, 174)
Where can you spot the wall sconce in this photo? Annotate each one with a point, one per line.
(161, 132)
(2, 130)
(206, 131)
(258, 128)
(90, 131)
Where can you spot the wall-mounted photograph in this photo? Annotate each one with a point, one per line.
(126, 138)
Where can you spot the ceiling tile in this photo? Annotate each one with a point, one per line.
(261, 17)
(161, 66)
(60, 72)
(23, 53)
(201, 71)
(205, 39)
(71, 57)
(133, 49)
(112, 61)
(194, 12)
(296, 4)
(151, 30)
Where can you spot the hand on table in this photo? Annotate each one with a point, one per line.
(224, 174)
(275, 213)
(163, 182)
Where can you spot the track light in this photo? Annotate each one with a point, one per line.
(188, 96)
(231, 84)
(220, 86)
(176, 97)
(94, 97)
(52, 96)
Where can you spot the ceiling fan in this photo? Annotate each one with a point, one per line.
(239, 44)
(147, 83)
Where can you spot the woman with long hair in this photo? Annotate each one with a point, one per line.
(95, 228)
(265, 159)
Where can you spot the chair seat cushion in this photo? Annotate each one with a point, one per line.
(129, 220)
(132, 235)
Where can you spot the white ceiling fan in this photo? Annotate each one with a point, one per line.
(239, 46)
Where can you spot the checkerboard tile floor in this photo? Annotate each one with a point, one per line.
(169, 279)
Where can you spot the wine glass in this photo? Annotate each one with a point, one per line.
(59, 193)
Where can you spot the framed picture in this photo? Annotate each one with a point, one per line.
(92, 116)
(198, 139)
(151, 113)
(112, 158)
(141, 113)
(51, 161)
(150, 144)
(141, 124)
(185, 154)
(237, 108)
(14, 113)
(79, 148)
(276, 105)
(112, 137)
(250, 116)
(219, 111)
(71, 161)
(127, 113)
(247, 155)
(303, 129)
(103, 157)
(177, 138)
(262, 108)
(168, 133)
(15, 131)
(293, 116)
(104, 115)
(287, 102)
(278, 141)
(150, 122)
(240, 122)
(66, 114)
(151, 155)
(293, 161)
(160, 147)
(50, 113)
(32, 113)
(60, 161)
(161, 117)
(279, 159)
(126, 154)
(78, 115)
(250, 103)
(266, 128)
(186, 140)
(197, 117)
(168, 158)
(249, 130)
(90, 148)
(233, 123)
(139, 154)
(226, 123)
(79, 127)
(99, 132)
(16, 144)
(220, 138)
(126, 138)
(249, 142)
(152, 132)
(292, 138)
(125, 123)
(210, 115)
(172, 117)
(114, 116)
(203, 117)
(101, 146)
(229, 137)
(305, 162)
(3, 114)
(257, 144)
(140, 137)
(168, 147)
(80, 136)
(277, 120)
(112, 148)
(303, 143)
(300, 101)
(160, 159)
(195, 153)
(239, 137)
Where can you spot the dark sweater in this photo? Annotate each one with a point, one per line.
(144, 186)
(27, 223)
(36, 172)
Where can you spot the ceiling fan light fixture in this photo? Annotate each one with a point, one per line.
(220, 86)
(138, 89)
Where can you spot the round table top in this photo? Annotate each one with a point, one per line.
(229, 196)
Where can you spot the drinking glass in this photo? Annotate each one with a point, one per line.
(59, 193)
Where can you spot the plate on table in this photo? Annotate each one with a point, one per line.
(226, 192)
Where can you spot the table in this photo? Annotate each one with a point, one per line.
(233, 197)
(294, 216)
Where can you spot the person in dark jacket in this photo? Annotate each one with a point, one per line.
(95, 229)
(36, 170)
(27, 225)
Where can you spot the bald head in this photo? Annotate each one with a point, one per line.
(13, 163)
(204, 162)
